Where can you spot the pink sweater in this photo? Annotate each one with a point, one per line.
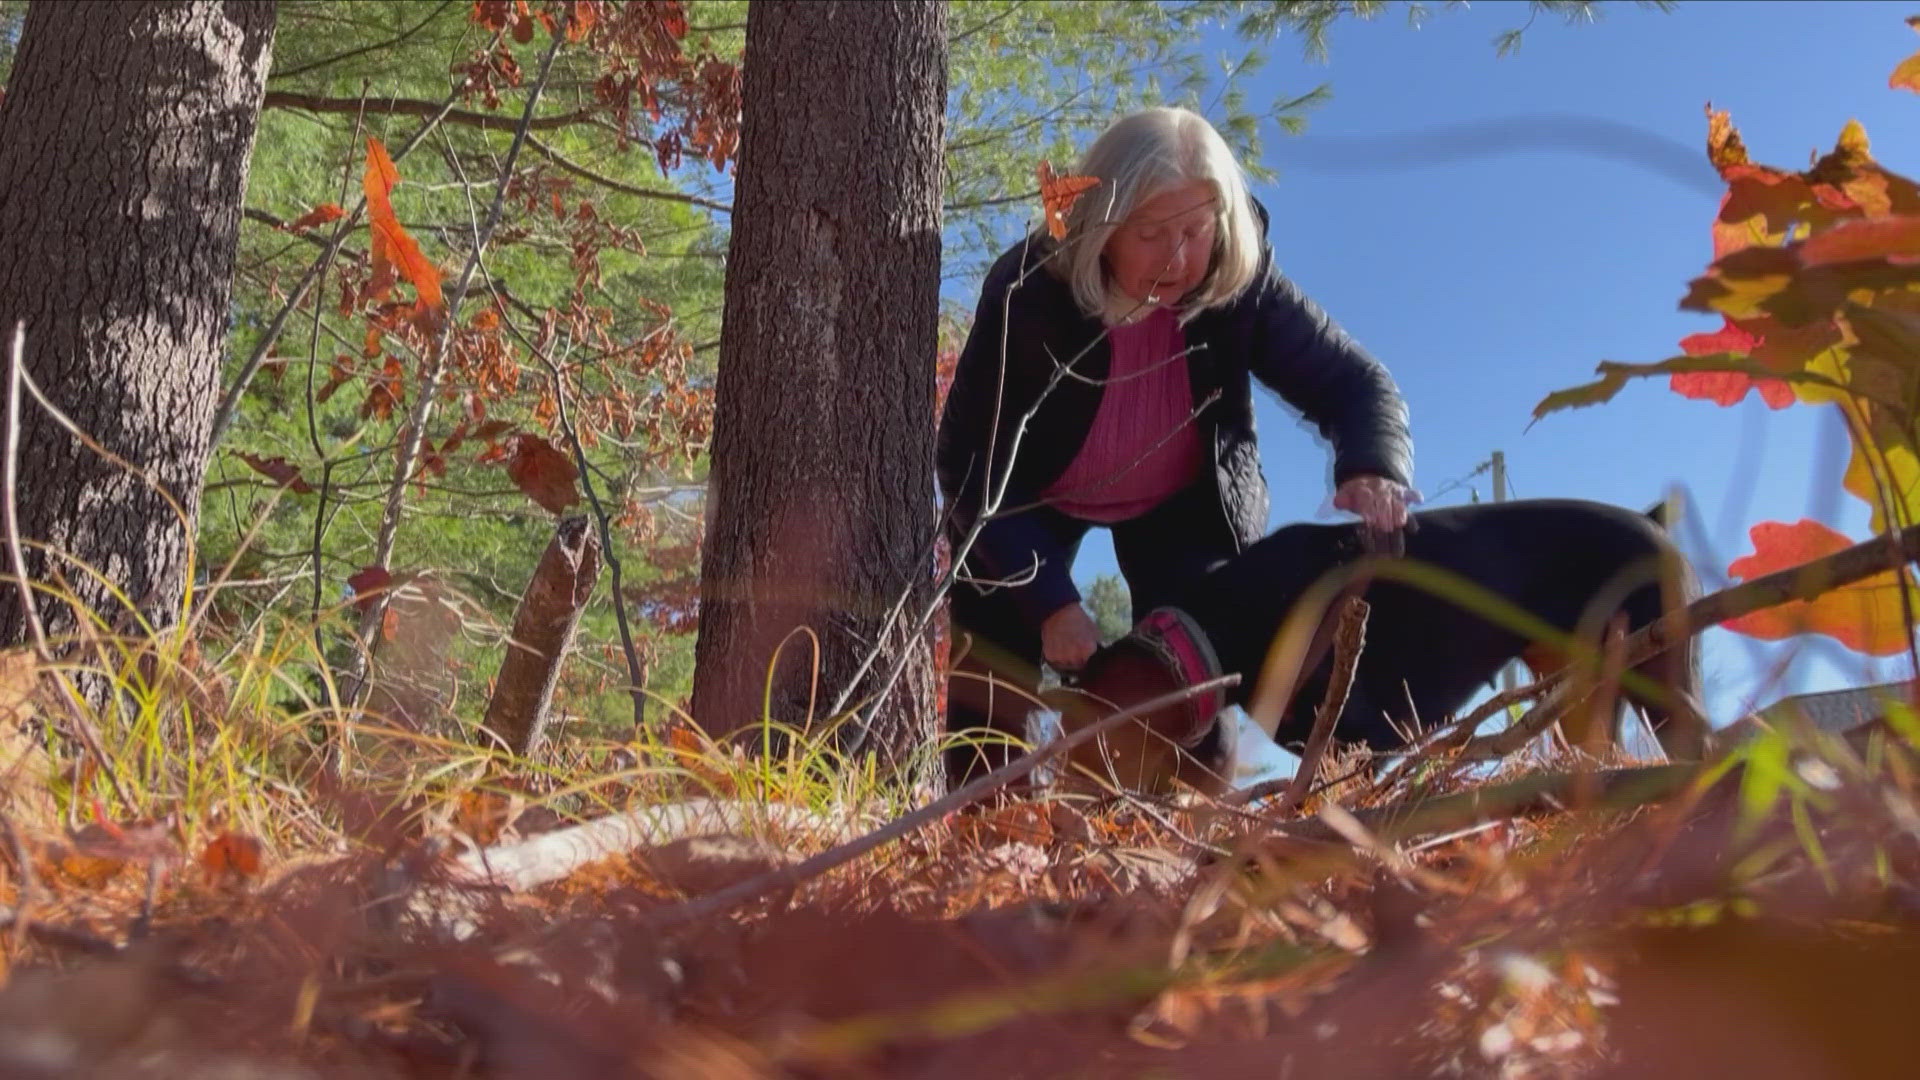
(1144, 444)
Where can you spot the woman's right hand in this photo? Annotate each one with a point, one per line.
(1068, 638)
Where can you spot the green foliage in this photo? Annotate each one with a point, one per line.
(1112, 607)
(1309, 20)
(627, 304)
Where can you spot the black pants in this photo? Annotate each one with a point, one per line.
(1159, 552)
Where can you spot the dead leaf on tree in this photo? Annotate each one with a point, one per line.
(545, 474)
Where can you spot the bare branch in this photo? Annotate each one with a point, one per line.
(397, 39)
(624, 188)
(388, 106)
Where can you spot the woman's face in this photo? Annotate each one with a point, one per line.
(1163, 249)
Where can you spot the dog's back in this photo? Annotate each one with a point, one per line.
(1570, 563)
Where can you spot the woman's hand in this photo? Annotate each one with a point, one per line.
(1380, 502)
(1068, 638)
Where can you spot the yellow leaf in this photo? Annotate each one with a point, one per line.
(1867, 616)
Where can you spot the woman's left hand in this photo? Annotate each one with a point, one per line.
(1380, 502)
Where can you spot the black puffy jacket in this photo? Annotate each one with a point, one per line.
(1273, 332)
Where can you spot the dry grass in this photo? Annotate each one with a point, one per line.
(236, 884)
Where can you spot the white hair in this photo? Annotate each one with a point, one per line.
(1136, 158)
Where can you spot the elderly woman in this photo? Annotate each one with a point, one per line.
(1107, 381)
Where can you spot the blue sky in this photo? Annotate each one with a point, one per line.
(1486, 279)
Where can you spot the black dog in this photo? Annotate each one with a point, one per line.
(1572, 564)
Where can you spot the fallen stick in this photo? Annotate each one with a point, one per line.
(1535, 793)
(553, 856)
(543, 631)
(1350, 638)
(794, 876)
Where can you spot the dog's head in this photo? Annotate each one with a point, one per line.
(1186, 743)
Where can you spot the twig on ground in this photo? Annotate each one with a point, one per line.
(756, 887)
(1613, 788)
(1350, 638)
(58, 936)
(26, 889)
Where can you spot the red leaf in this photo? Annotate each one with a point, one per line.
(673, 19)
(1727, 387)
(367, 583)
(1730, 338)
(319, 215)
(545, 474)
(231, 855)
(278, 470)
(492, 429)
(1865, 616)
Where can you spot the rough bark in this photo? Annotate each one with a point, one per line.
(543, 630)
(821, 496)
(125, 137)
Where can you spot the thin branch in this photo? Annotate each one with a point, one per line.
(397, 39)
(230, 401)
(635, 677)
(283, 99)
(16, 356)
(416, 423)
(978, 204)
(1808, 581)
(276, 222)
(624, 188)
(986, 23)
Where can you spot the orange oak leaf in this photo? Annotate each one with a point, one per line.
(278, 470)
(1907, 75)
(319, 215)
(393, 248)
(1058, 194)
(543, 473)
(580, 19)
(231, 855)
(1865, 616)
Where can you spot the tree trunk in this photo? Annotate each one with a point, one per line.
(125, 136)
(821, 510)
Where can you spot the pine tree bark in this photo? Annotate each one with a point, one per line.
(820, 502)
(125, 138)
